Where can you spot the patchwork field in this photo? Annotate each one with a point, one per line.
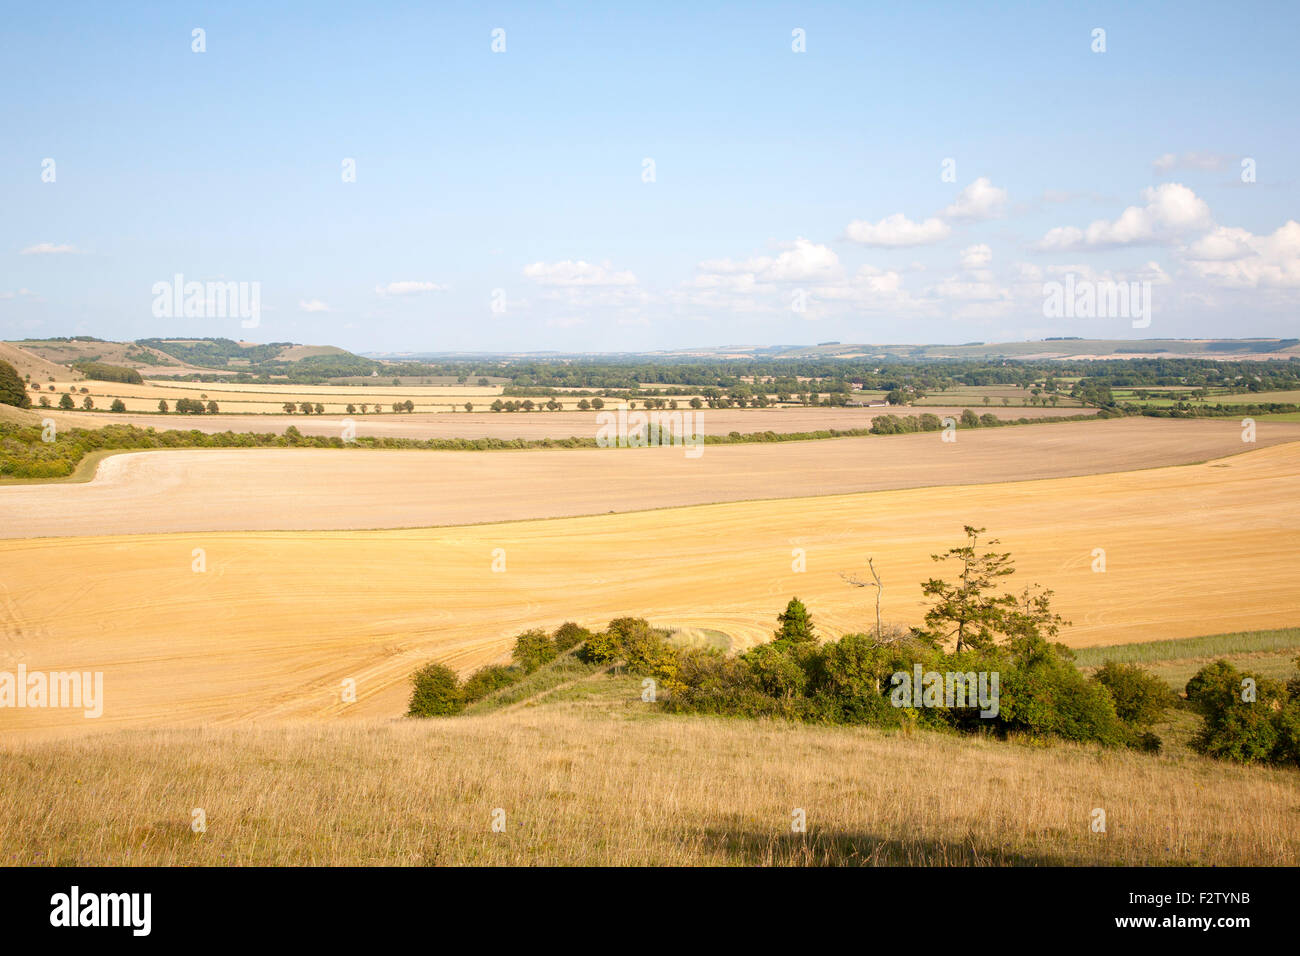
(316, 489)
(530, 425)
(276, 621)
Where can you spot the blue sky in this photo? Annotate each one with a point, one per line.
(796, 197)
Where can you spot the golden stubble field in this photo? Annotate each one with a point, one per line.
(319, 489)
(277, 620)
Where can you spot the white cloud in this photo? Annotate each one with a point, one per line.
(1192, 160)
(801, 261)
(1222, 245)
(580, 274)
(312, 305)
(564, 322)
(409, 288)
(1235, 257)
(897, 230)
(1171, 210)
(50, 249)
(980, 200)
(976, 257)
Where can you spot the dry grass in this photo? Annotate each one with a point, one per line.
(595, 787)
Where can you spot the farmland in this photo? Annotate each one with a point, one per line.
(243, 489)
(277, 619)
(227, 594)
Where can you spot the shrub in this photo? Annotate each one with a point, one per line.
(569, 635)
(487, 679)
(1235, 726)
(1047, 695)
(1140, 698)
(776, 669)
(435, 692)
(533, 649)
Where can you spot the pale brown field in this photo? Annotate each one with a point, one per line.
(278, 620)
(610, 789)
(509, 425)
(316, 489)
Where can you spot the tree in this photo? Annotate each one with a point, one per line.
(117, 406)
(305, 407)
(65, 401)
(320, 409)
(796, 624)
(597, 404)
(469, 406)
(162, 405)
(968, 610)
(878, 585)
(212, 408)
(87, 403)
(351, 408)
(289, 407)
(12, 390)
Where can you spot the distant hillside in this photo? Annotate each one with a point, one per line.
(273, 359)
(1054, 348)
(27, 362)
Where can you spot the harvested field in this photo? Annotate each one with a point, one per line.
(508, 425)
(317, 489)
(278, 620)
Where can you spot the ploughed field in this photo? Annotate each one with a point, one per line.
(276, 621)
(316, 489)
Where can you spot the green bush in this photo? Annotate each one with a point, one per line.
(1045, 695)
(533, 649)
(487, 679)
(569, 635)
(435, 692)
(1236, 727)
(1141, 699)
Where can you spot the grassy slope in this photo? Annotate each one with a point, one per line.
(587, 773)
